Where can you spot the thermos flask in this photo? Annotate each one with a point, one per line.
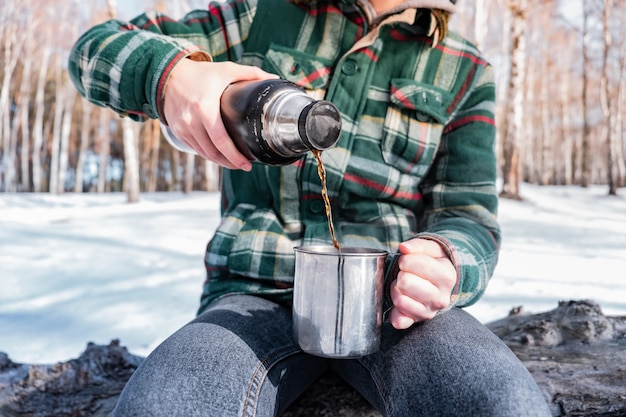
(274, 121)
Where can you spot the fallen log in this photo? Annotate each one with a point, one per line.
(86, 386)
(576, 354)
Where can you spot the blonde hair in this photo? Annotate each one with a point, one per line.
(442, 18)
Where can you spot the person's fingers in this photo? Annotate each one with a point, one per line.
(224, 144)
(247, 72)
(207, 149)
(400, 321)
(416, 298)
(437, 270)
(412, 287)
(423, 246)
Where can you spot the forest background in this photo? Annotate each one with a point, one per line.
(560, 67)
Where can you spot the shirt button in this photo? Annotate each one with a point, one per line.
(349, 67)
(316, 207)
(295, 68)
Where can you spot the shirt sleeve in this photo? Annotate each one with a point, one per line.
(460, 192)
(125, 65)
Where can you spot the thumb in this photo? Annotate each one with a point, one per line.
(422, 246)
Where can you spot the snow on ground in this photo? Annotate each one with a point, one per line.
(89, 267)
(560, 243)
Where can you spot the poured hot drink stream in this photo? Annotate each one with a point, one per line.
(321, 171)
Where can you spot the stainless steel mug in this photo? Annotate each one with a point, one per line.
(337, 300)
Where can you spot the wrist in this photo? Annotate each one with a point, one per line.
(175, 66)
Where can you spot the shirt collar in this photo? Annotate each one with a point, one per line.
(421, 26)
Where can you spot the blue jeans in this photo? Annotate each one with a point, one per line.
(238, 358)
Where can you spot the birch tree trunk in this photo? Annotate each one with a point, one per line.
(530, 149)
(213, 174)
(66, 130)
(104, 149)
(24, 107)
(612, 179)
(190, 162)
(14, 38)
(150, 154)
(11, 151)
(481, 23)
(85, 133)
(131, 161)
(112, 8)
(547, 141)
(55, 146)
(173, 179)
(618, 129)
(501, 80)
(585, 157)
(19, 124)
(131, 152)
(514, 115)
(156, 149)
(38, 126)
(568, 144)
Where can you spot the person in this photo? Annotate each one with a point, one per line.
(413, 173)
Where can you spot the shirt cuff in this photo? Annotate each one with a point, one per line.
(193, 54)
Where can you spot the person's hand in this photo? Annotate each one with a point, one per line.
(192, 107)
(424, 283)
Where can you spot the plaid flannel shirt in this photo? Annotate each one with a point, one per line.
(415, 158)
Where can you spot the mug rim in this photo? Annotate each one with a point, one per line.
(329, 250)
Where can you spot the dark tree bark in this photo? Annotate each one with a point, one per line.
(87, 386)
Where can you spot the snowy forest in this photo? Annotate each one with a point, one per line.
(561, 79)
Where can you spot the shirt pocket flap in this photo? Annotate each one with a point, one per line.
(307, 71)
(427, 100)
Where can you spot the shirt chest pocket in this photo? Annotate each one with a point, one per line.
(308, 71)
(413, 125)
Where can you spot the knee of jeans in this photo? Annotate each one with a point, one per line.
(503, 394)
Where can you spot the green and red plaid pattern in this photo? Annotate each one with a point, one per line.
(416, 156)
